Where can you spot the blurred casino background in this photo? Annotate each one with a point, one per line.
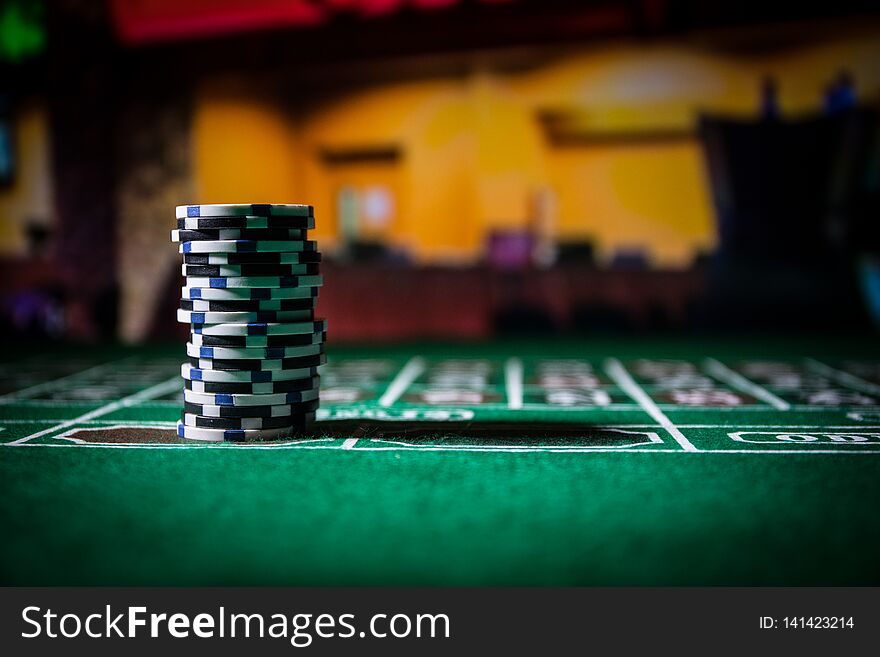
(478, 167)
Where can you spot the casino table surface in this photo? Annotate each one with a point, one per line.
(543, 462)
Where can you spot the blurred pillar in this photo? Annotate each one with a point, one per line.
(81, 101)
(155, 175)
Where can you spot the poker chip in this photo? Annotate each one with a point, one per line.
(249, 222)
(253, 352)
(257, 364)
(275, 258)
(289, 340)
(185, 235)
(190, 317)
(208, 422)
(252, 400)
(245, 210)
(247, 305)
(242, 412)
(246, 246)
(262, 328)
(305, 269)
(252, 280)
(223, 282)
(195, 373)
(240, 435)
(248, 294)
(248, 388)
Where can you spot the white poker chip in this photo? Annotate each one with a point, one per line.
(266, 328)
(252, 352)
(191, 373)
(249, 222)
(275, 399)
(232, 435)
(248, 388)
(239, 341)
(247, 246)
(252, 294)
(258, 364)
(224, 282)
(304, 269)
(245, 210)
(204, 234)
(208, 317)
(298, 420)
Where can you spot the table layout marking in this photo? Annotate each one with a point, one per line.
(165, 423)
(623, 379)
(24, 393)
(723, 373)
(513, 383)
(410, 372)
(513, 368)
(441, 448)
(845, 378)
(153, 391)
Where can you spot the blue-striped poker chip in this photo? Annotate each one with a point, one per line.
(235, 282)
(289, 340)
(253, 400)
(274, 258)
(248, 294)
(249, 222)
(233, 435)
(257, 364)
(305, 269)
(251, 388)
(247, 305)
(190, 317)
(238, 353)
(253, 234)
(262, 328)
(245, 210)
(192, 373)
(245, 423)
(247, 246)
(280, 410)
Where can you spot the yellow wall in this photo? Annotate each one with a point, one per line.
(626, 196)
(245, 150)
(474, 154)
(30, 196)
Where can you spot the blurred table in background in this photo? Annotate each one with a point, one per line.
(376, 302)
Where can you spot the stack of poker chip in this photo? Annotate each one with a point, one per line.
(252, 280)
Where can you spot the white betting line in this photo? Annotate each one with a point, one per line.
(349, 443)
(513, 383)
(410, 372)
(162, 388)
(485, 450)
(723, 373)
(49, 385)
(845, 378)
(622, 378)
(727, 427)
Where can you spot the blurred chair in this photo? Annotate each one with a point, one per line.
(577, 252)
(630, 260)
(38, 235)
(508, 250)
(364, 251)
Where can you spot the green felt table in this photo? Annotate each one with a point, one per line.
(543, 462)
